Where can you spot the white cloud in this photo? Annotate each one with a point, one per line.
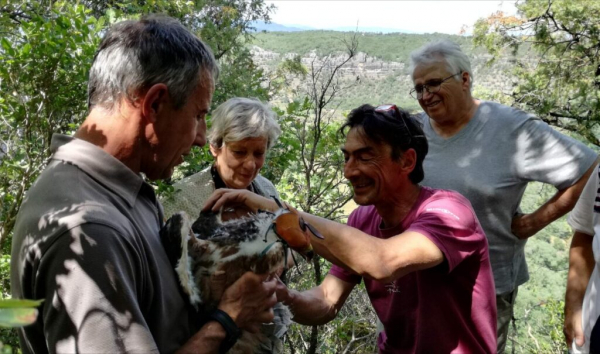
(409, 16)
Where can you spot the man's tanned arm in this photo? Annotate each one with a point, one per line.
(526, 225)
(318, 305)
(581, 265)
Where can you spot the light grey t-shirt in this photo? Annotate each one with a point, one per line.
(86, 241)
(490, 161)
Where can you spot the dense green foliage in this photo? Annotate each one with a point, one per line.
(562, 84)
(388, 47)
(46, 55)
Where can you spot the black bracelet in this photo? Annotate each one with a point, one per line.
(233, 333)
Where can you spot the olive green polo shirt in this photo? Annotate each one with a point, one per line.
(86, 240)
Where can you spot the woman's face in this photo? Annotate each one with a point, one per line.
(238, 162)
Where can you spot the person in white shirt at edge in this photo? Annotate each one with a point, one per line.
(582, 299)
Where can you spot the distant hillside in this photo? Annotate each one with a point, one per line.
(261, 26)
(388, 47)
(380, 71)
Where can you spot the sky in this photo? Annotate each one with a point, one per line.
(425, 16)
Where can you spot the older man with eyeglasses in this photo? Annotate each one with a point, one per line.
(489, 152)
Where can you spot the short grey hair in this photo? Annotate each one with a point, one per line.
(442, 51)
(240, 118)
(134, 55)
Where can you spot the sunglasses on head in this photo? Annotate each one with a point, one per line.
(396, 114)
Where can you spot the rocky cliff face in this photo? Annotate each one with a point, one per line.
(361, 65)
(373, 75)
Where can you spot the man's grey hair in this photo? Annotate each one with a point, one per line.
(134, 55)
(241, 118)
(443, 51)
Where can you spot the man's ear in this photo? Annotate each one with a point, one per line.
(466, 80)
(155, 99)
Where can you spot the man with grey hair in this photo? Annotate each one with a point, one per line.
(489, 152)
(86, 239)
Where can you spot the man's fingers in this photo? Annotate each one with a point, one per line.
(258, 284)
(578, 335)
(253, 327)
(580, 340)
(270, 285)
(265, 316)
(256, 278)
(271, 301)
(573, 329)
(568, 336)
(281, 291)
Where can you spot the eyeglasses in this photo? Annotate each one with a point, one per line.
(396, 114)
(432, 86)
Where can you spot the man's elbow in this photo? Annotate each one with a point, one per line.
(381, 271)
(388, 267)
(565, 199)
(574, 192)
(385, 278)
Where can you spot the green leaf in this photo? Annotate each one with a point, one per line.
(6, 45)
(17, 317)
(26, 49)
(19, 303)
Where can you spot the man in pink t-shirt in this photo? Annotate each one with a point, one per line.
(448, 308)
(420, 251)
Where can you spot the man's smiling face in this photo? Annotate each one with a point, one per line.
(444, 105)
(369, 167)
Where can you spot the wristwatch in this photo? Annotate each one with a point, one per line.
(232, 331)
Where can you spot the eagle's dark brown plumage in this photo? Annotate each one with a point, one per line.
(210, 255)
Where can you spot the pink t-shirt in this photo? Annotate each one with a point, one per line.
(450, 308)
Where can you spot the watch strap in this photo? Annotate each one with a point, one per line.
(232, 331)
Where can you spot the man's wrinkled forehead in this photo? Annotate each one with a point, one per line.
(439, 66)
(357, 141)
